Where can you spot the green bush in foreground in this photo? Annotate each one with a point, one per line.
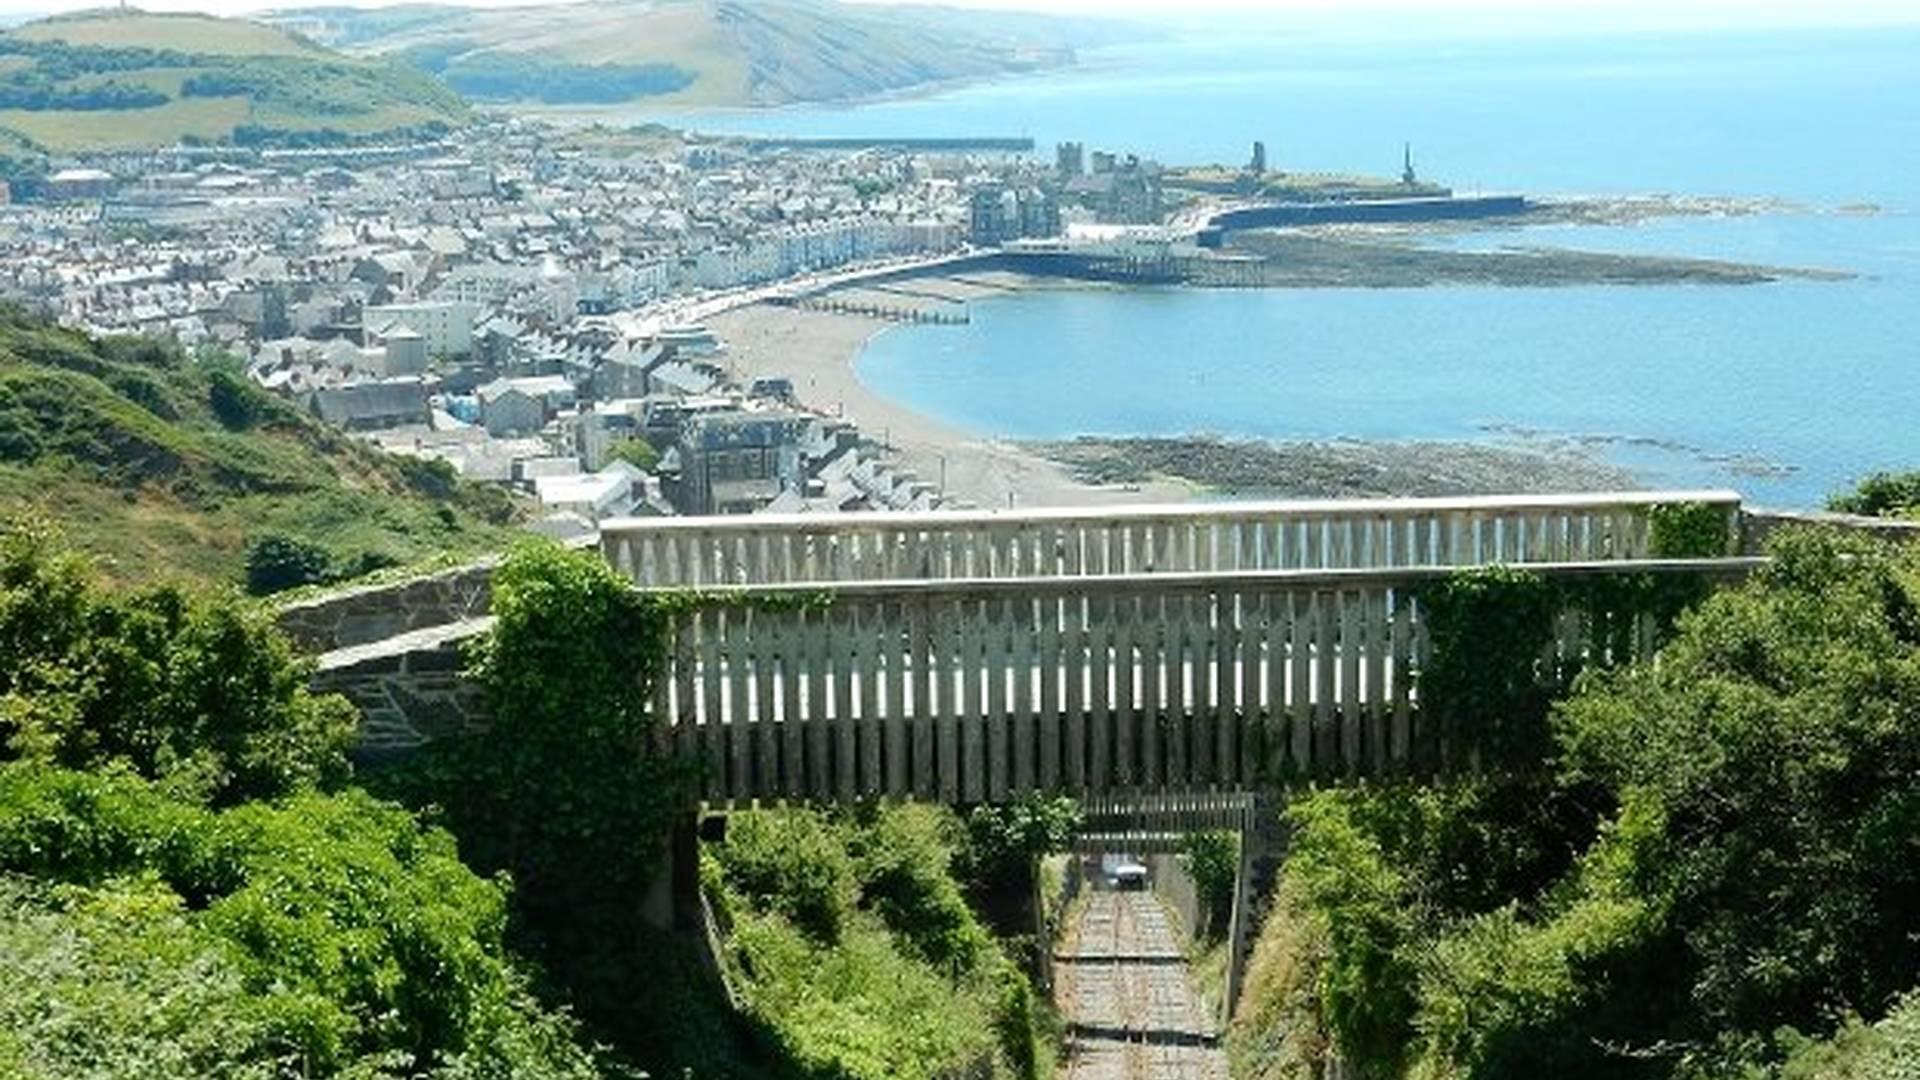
(1727, 849)
(202, 693)
(325, 935)
(911, 984)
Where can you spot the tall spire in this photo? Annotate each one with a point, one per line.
(1406, 173)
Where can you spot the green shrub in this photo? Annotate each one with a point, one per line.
(1775, 745)
(793, 863)
(1724, 848)
(906, 983)
(1887, 1050)
(1688, 531)
(201, 692)
(1212, 860)
(348, 937)
(1004, 839)
(119, 983)
(1367, 984)
(236, 402)
(563, 790)
(903, 862)
(276, 563)
(1882, 494)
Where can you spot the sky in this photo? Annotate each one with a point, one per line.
(1730, 13)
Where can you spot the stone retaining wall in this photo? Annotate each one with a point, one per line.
(371, 613)
(409, 688)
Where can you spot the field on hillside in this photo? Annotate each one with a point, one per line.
(117, 79)
(157, 30)
(73, 129)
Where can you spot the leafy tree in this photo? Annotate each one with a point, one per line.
(564, 790)
(1723, 850)
(1774, 755)
(567, 670)
(637, 452)
(202, 693)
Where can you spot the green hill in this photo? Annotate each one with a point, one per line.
(165, 466)
(701, 52)
(125, 77)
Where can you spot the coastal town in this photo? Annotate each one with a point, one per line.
(637, 321)
(530, 304)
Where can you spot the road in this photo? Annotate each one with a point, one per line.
(1130, 1008)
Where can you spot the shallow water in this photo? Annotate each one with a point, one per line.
(1784, 391)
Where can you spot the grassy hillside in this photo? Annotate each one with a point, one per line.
(164, 467)
(720, 52)
(122, 78)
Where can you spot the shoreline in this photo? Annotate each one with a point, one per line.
(820, 350)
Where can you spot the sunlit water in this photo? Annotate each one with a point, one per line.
(1811, 383)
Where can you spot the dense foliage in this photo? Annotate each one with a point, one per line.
(564, 790)
(1883, 494)
(318, 936)
(186, 889)
(1723, 850)
(855, 948)
(1003, 840)
(1212, 860)
(167, 465)
(201, 694)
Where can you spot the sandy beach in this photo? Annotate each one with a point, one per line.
(817, 350)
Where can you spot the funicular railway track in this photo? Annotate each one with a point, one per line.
(1131, 1010)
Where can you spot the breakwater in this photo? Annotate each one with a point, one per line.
(1367, 211)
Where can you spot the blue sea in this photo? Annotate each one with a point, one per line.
(1785, 391)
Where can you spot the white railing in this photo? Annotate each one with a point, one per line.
(980, 689)
(1226, 537)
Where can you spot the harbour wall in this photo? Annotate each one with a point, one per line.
(1363, 211)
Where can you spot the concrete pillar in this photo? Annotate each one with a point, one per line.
(672, 899)
(1254, 850)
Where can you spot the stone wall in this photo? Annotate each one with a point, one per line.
(409, 688)
(1757, 525)
(372, 613)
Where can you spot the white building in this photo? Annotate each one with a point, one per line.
(446, 325)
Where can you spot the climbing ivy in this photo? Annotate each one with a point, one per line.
(1690, 530)
(1487, 630)
(1491, 675)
